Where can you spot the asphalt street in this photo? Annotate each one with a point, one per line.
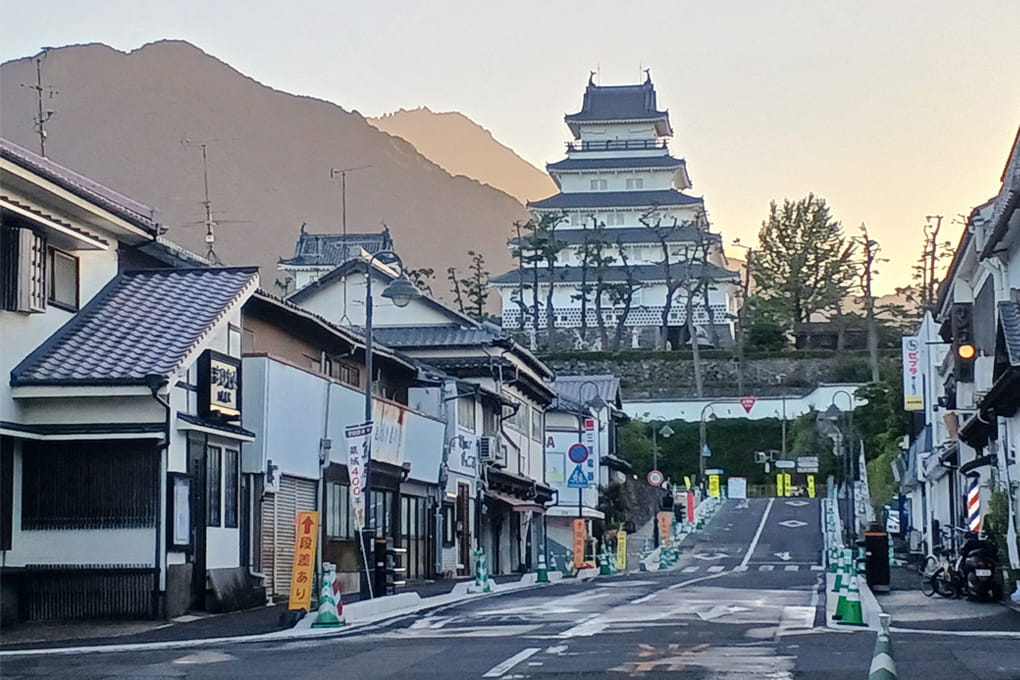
(746, 601)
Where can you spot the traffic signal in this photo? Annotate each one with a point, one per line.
(964, 351)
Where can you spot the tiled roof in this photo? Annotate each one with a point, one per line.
(137, 213)
(330, 250)
(642, 272)
(1009, 317)
(679, 234)
(579, 389)
(141, 323)
(614, 199)
(435, 336)
(628, 163)
(618, 102)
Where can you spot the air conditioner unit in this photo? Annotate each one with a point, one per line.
(491, 450)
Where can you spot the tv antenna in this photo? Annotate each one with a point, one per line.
(209, 222)
(342, 174)
(41, 93)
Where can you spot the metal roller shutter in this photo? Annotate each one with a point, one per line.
(279, 518)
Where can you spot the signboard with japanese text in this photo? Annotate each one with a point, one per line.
(913, 356)
(302, 578)
(358, 441)
(621, 550)
(811, 486)
(219, 386)
(713, 486)
(580, 536)
(780, 482)
(665, 524)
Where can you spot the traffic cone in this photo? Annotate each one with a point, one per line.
(849, 607)
(482, 583)
(841, 569)
(331, 606)
(543, 570)
(604, 563)
(883, 667)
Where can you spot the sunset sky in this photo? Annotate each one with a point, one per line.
(892, 111)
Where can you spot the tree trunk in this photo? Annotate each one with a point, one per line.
(699, 380)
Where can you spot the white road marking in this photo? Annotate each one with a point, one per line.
(502, 667)
(757, 534)
(742, 567)
(766, 567)
(793, 524)
(960, 633)
(709, 556)
(784, 556)
(643, 599)
(689, 570)
(205, 656)
(817, 567)
(792, 567)
(716, 568)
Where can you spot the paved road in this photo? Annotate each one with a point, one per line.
(745, 603)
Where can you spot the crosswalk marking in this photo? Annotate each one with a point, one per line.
(817, 567)
(716, 568)
(689, 570)
(766, 567)
(792, 567)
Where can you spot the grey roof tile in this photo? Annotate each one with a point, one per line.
(630, 163)
(614, 199)
(642, 272)
(578, 389)
(679, 234)
(143, 322)
(435, 336)
(330, 250)
(618, 102)
(1009, 317)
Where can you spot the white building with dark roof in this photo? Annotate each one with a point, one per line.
(627, 234)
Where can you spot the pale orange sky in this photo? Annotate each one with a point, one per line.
(891, 111)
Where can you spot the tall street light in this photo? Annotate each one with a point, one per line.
(596, 403)
(702, 438)
(400, 291)
(832, 415)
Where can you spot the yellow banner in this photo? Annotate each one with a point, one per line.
(687, 482)
(621, 550)
(787, 483)
(780, 482)
(713, 486)
(302, 578)
(811, 486)
(580, 534)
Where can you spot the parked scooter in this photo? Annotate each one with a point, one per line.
(978, 568)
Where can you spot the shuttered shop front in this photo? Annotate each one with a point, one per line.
(279, 519)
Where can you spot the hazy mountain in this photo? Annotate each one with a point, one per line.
(122, 119)
(462, 147)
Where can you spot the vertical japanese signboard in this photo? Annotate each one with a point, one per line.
(665, 524)
(621, 550)
(780, 481)
(580, 534)
(811, 486)
(713, 486)
(302, 578)
(913, 373)
(358, 440)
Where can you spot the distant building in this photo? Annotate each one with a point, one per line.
(319, 254)
(622, 193)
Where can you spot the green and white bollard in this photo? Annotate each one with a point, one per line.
(883, 667)
(330, 614)
(604, 562)
(482, 583)
(543, 570)
(568, 565)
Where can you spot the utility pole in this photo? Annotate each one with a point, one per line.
(41, 116)
(742, 314)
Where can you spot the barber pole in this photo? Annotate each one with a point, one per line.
(974, 506)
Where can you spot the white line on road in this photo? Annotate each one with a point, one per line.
(644, 598)
(689, 570)
(717, 567)
(502, 667)
(959, 633)
(766, 567)
(757, 534)
(792, 567)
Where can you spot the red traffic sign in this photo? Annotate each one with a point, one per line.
(577, 453)
(747, 403)
(656, 478)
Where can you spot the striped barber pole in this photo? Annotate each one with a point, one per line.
(974, 506)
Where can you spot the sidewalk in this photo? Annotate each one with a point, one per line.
(201, 625)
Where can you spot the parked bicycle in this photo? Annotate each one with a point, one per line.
(939, 572)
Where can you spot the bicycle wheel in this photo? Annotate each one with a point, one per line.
(943, 581)
(926, 572)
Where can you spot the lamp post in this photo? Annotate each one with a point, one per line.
(401, 291)
(833, 414)
(596, 403)
(702, 439)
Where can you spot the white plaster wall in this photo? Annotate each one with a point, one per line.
(108, 546)
(328, 302)
(603, 131)
(222, 547)
(616, 180)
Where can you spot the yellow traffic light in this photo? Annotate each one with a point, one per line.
(965, 351)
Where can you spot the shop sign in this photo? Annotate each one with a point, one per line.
(302, 579)
(219, 386)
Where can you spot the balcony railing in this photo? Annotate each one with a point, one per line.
(617, 145)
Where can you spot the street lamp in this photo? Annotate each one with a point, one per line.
(832, 415)
(596, 403)
(401, 292)
(665, 432)
(702, 438)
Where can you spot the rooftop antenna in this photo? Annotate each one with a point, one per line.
(209, 222)
(41, 116)
(342, 174)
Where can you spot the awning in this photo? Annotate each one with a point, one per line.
(74, 431)
(186, 421)
(517, 504)
(979, 429)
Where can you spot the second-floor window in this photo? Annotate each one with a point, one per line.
(466, 413)
(62, 281)
(599, 185)
(635, 183)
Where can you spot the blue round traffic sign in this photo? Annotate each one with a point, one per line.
(577, 453)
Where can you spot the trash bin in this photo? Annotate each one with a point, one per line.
(876, 558)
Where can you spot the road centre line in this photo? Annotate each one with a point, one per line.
(502, 667)
(757, 534)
